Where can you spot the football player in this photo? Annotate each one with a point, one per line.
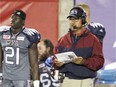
(18, 48)
(45, 52)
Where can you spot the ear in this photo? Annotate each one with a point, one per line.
(48, 49)
(23, 22)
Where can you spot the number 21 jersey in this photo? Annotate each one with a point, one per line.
(15, 52)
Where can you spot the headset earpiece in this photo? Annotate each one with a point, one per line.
(83, 18)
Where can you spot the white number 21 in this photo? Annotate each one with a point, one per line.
(12, 54)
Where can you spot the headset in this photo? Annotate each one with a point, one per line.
(83, 18)
(83, 14)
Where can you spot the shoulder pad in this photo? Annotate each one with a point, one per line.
(30, 31)
(96, 25)
(97, 29)
(32, 34)
(4, 28)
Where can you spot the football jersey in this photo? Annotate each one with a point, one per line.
(46, 79)
(98, 30)
(15, 51)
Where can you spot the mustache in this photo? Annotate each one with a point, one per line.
(75, 27)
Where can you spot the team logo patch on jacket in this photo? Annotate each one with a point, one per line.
(6, 37)
(20, 38)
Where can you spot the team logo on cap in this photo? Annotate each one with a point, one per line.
(73, 12)
(18, 13)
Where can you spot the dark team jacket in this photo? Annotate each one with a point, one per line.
(85, 45)
(46, 79)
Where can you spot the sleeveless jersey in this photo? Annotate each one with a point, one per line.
(15, 52)
(46, 79)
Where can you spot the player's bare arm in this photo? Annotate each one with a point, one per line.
(33, 57)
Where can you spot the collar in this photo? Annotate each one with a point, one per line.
(80, 33)
(17, 32)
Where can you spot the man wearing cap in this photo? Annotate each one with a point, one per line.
(18, 52)
(81, 70)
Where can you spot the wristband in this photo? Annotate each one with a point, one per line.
(36, 83)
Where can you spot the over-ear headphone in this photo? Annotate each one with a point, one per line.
(83, 14)
(83, 18)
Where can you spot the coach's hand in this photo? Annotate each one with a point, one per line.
(58, 63)
(78, 60)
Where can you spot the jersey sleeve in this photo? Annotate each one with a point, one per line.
(98, 30)
(32, 35)
(4, 28)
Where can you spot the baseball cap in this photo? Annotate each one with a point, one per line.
(20, 13)
(76, 12)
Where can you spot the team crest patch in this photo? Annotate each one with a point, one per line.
(20, 38)
(6, 37)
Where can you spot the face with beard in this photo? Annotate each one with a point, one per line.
(75, 24)
(43, 51)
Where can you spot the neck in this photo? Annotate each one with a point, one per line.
(15, 30)
(79, 30)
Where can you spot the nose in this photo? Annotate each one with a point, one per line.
(11, 20)
(72, 22)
